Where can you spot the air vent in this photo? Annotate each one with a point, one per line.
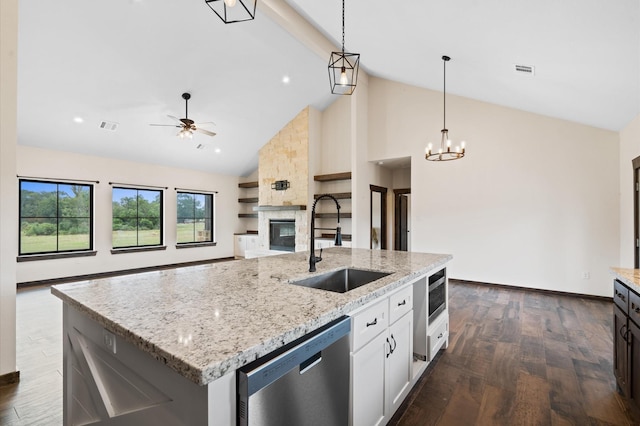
(108, 125)
(524, 69)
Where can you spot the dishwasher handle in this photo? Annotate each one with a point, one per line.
(260, 374)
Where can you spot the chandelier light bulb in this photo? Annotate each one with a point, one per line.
(343, 77)
(230, 3)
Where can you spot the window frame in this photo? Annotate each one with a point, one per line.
(138, 246)
(57, 252)
(212, 240)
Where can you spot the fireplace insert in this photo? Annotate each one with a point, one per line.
(282, 235)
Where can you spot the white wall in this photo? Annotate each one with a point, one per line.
(8, 188)
(629, 149)
(38, 162)
(534, 203)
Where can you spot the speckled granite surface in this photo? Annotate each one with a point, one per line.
(204, 321)
(631, 277)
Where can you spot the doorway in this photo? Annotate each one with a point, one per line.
(402, 209)
(378, 217)
(636, 211)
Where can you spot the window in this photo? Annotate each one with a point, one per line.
(195, 218)
(55, 217)
(137, 217)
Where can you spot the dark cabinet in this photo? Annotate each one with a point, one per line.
(626, 338)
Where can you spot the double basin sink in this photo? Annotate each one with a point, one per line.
(342, 280)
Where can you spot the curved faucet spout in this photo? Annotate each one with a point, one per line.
(313, 259)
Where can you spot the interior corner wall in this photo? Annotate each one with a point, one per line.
(629, 149)
(534, 203)
(39, 162)
(8, 187)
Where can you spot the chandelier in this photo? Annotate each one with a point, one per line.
(343, 68)
(445, 153)
(231, 11)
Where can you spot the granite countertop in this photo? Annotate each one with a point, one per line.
(204, 321)
(631, 277)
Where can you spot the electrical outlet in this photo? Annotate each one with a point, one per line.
(109, 340)
(586, 275)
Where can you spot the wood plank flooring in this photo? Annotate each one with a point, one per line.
(515, 358)
(519, 357)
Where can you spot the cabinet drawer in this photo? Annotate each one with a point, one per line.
(621, 296)
(634, 307)
(438, 335)
(400, 303)
(368, 323)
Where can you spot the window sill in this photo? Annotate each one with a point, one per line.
(137, 249)
(191, 245)
(33, 257)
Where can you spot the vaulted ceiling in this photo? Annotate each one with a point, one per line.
(129, 61)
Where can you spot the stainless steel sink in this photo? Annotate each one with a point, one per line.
(342, 280)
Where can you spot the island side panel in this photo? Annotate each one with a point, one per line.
(106, 379)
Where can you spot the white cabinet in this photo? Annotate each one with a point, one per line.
(367, 383)
(244, 242)
(381, 359)
(399, 372)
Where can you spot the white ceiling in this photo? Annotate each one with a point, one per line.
(129, 61)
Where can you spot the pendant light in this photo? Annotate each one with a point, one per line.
(231, 11)
(445, 153)
(343, 68)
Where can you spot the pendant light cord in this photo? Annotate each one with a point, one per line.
(342, 27)
(444, 94)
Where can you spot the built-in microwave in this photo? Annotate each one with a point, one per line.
(437, 294)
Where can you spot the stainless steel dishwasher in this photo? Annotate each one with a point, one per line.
(305, 383)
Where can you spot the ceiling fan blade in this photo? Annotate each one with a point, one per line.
(205, 124)
(174, 118)
(166, 125)
(206, 132)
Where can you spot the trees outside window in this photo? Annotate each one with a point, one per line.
(137, 217)
(55, 217)
(194, 218)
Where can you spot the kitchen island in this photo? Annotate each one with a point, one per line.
(200, 324)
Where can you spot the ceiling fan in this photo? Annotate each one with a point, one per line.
(186, 125)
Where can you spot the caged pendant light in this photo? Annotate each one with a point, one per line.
(343, 68)
(231, 11)
(445, 153)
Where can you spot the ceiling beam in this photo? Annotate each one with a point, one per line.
(289, 19)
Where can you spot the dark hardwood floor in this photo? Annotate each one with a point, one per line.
(515, 358)
(519, 357)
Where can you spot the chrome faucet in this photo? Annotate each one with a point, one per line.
(313, 259)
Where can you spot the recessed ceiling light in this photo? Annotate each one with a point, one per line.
(217, 150)
(286, 79)
(78, 120)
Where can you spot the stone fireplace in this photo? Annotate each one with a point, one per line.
(296, 217)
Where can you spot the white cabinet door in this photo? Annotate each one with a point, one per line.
(399, 362)
(367, 383)
(240, 245)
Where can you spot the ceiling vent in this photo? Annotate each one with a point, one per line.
(108, 125)
(524, 69)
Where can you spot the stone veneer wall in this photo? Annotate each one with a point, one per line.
(286, 157)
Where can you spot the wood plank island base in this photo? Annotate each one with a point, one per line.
(163, 347)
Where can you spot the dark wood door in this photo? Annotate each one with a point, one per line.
(633, 366)
(403, 211)
(620, 349)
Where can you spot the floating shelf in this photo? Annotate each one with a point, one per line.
(248, 200)
(332, 176)
(248, 215)
(248, 185)
(333, 215)
(337, 195)
(345, 237)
